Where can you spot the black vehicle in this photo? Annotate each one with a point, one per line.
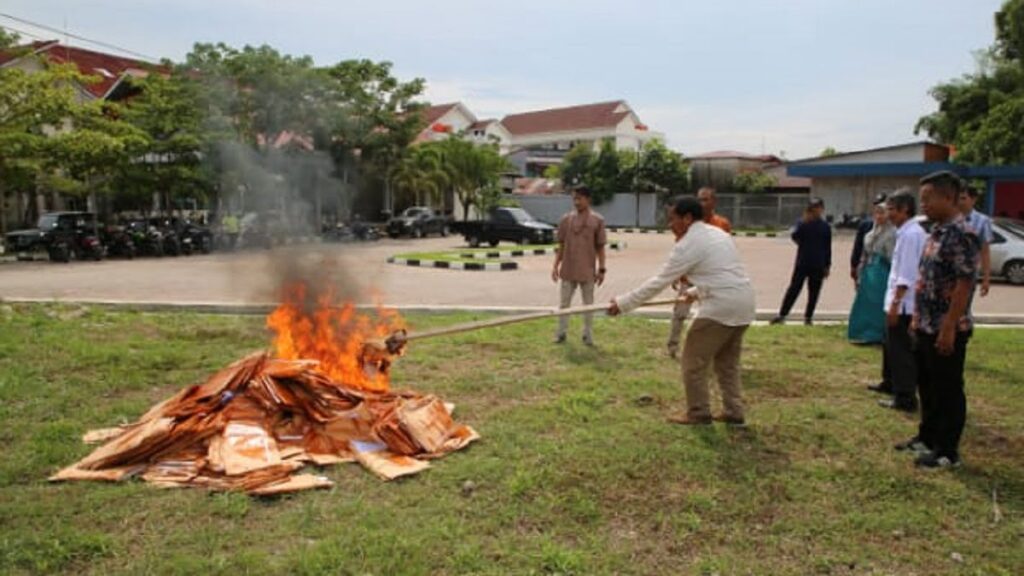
(183, 236)
(418, 221)
(59, 235)
(509, 224)
(147, 239)
(172, 242)
(73, 235)
(118, 241)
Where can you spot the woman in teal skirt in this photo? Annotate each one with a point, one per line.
(867, 317)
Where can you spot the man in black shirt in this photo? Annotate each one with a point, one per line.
(813, 238)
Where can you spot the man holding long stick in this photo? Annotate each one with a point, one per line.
(708, 257)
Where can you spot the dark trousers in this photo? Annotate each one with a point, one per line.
(814, 278)
(899, 365)
(940, 381)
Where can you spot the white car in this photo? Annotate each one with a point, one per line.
(1008, 249)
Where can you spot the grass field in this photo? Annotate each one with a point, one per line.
(577, 471)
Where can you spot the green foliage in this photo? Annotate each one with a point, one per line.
(828, 152)
(576, 166)
(612, 170)
(980, 113)
(422, 175)
(473, 171)
(753, 182)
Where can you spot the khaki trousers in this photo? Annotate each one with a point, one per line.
(710, 343)
(679, 314)
(568, 289)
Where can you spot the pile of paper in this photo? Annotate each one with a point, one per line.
(254, 425)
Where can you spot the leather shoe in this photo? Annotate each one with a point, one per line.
(687, 420)
(902, 406)
(881, 388)
(729, 420)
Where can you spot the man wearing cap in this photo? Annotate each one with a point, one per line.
(942, 323)
(708, 201)
(708, 257)
(813, 237)
(981, 224)
(579, 260)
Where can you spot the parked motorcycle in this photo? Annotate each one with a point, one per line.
(118, 241)
(147, 239)
(80, 244)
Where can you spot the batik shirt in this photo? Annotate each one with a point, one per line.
(951, 253)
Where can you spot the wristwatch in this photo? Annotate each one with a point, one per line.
(602, 270)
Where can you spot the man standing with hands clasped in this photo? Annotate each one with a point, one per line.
(580, 260)
(708, 258)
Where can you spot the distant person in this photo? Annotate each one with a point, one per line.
(813, 237)
(867, 316)
(579, 260)
(942, 322)
(708, 257)
(708, 202)
(857, 254)
(981, 225)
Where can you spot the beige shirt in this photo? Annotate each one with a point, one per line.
(580, 237)
(710, 261)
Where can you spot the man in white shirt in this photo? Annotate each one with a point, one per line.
(899, 371)
(708, 258)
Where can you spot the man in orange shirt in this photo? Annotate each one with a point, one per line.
(708, 201)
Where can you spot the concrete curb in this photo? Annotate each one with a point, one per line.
(614, 245)
(242, 308)
(757, 234)
(617, 229)
(449, 265)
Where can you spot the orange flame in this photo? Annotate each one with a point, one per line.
(332, 334)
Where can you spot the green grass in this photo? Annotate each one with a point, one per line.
(577, 471)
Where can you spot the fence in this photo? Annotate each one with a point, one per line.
(621, 210)
(762, 210)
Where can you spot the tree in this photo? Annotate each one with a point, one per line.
(168, 112)
(576, 166)
(661, 171)
(753, 182)
(471, 169)
(828, 152)
(50, 140)
(422, 173)
(981, 113)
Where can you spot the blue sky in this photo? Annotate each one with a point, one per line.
(792, 76)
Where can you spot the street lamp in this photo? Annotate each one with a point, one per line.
(636, 179)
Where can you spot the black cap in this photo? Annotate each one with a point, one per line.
(880, 198)
(943, 177)
(815, 202)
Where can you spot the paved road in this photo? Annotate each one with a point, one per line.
(361, 269)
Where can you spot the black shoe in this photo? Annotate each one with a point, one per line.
(560, 339)
(777, 320)
(588, 341)
(881, 388)
(808, 322)
(897, 404)
(915, 445)
(934, 461)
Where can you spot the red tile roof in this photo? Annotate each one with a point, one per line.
(108, 69)
(588, 116)
(434, 113)
(481, 124)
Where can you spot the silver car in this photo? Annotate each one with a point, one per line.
(1008, 249)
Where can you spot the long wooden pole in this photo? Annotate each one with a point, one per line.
(553, 313)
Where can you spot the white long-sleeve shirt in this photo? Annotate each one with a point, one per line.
(710, 261)
(910, 240)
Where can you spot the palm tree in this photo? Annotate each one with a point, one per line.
(422, 173)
